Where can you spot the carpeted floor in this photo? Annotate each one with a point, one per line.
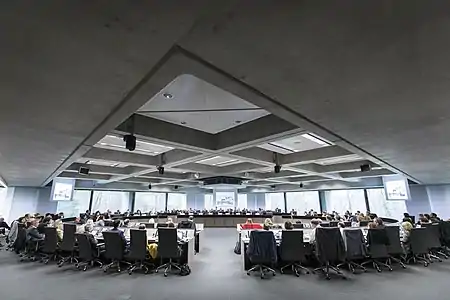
(217, 273)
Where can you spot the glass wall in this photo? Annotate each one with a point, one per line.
(104, 200)
(242, 201)
(343, 200)
(274, 201)
(78, 205)
(176, 201)
(209, 201)
(150, 202)
(303, 202)
(385, 208)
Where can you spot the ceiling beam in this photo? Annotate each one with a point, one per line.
(122, 157)
(99, 177)
(372, 173)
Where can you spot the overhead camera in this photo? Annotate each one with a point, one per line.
(366, 168)
(176, 187)
(161, 170)
(301, 185)
(130, 142)
(277, 169)
(149, 186)
(83, 171)
(272, 187)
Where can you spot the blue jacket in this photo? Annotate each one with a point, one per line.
(262, 247)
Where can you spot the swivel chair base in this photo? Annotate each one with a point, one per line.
(419, 258)
(168, 267)
(70, 259)
(139, 266)
(85, 264)
(326, 271)
(352, 266)
(115, 264)
(296, 269)
(396, 260)
(262, 269)
(376, 264)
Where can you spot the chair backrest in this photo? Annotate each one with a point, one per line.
(50, 240)
(162, 225)
(347, 223)
(325, 224)
(84, 247)
(168, 242)
(433, 236)
(20, 242)
(363, 223)
(444, 228)
(378, 242)
(298, 225)
(329, 244)
(393, 234)
(355, 242)
(114, 247)
(186, 225)
(292, 247)
(262, 247)
(68, 241)
(334, 224)
(418, 241)
(138, 244)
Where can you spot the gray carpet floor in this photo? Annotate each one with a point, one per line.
(217, 273)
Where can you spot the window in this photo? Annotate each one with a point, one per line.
(176, 201)
(209, 201)
(79, 204)
(150, 202)
(343, 200)
(104, 200)
(385, 208)
(303, 202)
(274, 201)
(242, 201)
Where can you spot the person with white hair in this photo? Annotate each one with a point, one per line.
(314, 224)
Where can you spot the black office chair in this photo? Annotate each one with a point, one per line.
(355, 249)
(262, 251)
(325, 224)
(298, 226)
(334, 223)
(395, 249)
(162, 225)
(378, 242)
(50, 244)
(88, 254)
(138, 251)
(168, 249)
(330, 250)
(114, 250)
(292, 250)
(67, 246)
(434, 242)
(418, 242)
(348, 224)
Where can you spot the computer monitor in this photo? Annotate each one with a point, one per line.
(334, 224)
(162, 225)
(149, 225)
(324, 224)
(363, 223)
(297, 225)
(347, 224)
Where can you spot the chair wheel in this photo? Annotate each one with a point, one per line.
(146, 272)
(390, 269)
(165, 275)
(425, 264)
(296, 274)
(119, 270)
(273, 273)
(379, 270)
(307, 272)
(105, 270)
(344, 278)
(281, 271)
(130, 272)
(85, 268)
(403, 267)
(262, 276)
(327, 278)
(248, 273)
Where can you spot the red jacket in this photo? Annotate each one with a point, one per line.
(251, 226)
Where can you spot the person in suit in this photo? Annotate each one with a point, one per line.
(288, 225)
(379, 223)
(33, 233)
(115, 228)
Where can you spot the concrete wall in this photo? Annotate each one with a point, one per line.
(439, 196)
(29, 200)
(419, 202)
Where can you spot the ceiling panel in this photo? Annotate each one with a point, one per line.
(297, 143)
(142, 147)
(219, 161)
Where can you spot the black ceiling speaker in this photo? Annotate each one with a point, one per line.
(176, 187)
(149, 186)
(366, 168)
(130, 142)
(161, 170)
(277, 169)
(301, 185)
(83, 171)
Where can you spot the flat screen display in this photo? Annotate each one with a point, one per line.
(62, 189)
(396, 187)
(225, 199)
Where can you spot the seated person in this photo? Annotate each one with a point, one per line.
(126, 223)
(100, 221)
(372, 225)
(3, 224)
(433, 218)
(169, 221)
(59, 229)
(44, 223)
(406, 233)
(267, 224)
(250, 225)
(314, 224)
(379, 222)
(88, 232)
(288, 225)
(33, 234)
(115, 228)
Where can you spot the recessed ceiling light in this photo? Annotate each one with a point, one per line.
(237, 122)
(167, 96)
(103, 144)
(183, 123)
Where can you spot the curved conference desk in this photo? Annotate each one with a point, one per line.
(225, 220)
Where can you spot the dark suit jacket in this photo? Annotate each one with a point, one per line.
(122, 236)
(33, 234)
(92, 241)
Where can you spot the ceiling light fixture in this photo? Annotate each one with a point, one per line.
(196, 175)
(167, 95)
(183, 123)
(315, 139)
(238, 122)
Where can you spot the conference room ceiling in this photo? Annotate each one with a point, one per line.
(371, 78)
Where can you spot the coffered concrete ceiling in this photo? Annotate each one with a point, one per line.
(371, 78)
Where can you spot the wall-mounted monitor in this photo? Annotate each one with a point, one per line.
(396, 187)
(225, 199)
(62, 189)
